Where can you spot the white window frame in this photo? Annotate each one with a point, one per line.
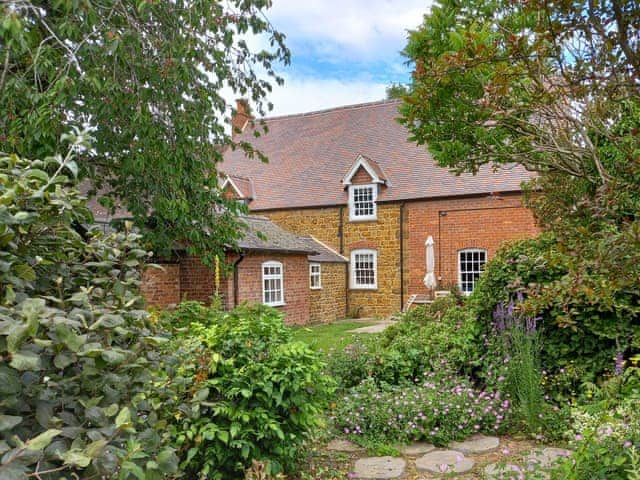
(273, 276)
(353, 277)
(352, 206)
(473, 271)
(313, 275)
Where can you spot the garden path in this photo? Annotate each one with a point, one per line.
(479, 457)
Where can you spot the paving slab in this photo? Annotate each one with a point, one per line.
(379, 468)
(476, 444)
(416, 449)
(501, 471)
(547, 457)
(444, 461)
(341, 445)
(377, 328)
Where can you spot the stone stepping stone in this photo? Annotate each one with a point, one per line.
(379, 468)
(341, 445)
(503, 471)
(416, 449)
(444, 461)
(476, 444)
(547, 457)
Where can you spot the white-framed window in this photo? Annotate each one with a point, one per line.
(471, 263)
(315, 276)
(364, 269)
(272, 284)
(362, 202)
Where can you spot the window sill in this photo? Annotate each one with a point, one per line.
(315, 288)
(373, 287)
(363, 219)
(281, 304)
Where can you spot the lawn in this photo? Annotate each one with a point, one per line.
(327, 336)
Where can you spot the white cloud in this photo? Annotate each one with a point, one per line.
(308, 94)
(366, 28)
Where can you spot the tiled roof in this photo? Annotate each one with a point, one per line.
(261, 234)
(309, 155)
(325, 253)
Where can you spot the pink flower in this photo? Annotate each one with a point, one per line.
(578, 437)
(444, 467)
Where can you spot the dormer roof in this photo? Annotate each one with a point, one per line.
(373, 169)
(241, 186)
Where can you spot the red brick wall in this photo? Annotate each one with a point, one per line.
(296, 283)
(481, 222)
(197, 281)
(361, 177)
(161, 287)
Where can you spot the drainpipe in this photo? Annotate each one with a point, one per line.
(346, 269)
(401, 221)
(235, 279)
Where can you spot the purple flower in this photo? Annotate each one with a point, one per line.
(619, 363)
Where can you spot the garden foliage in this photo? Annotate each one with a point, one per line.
(77, 349)
(582, 331)
(403, 352)
(91, 385)
(255, 394)
(439, 407)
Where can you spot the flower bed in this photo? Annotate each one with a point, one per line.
(438, 408)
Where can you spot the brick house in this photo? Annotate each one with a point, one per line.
(271, 266)
(349, 178)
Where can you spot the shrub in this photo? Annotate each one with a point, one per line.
(255, 394)
(605, 443)
(439, 408)
(443, 330)
(78, 352)
(586, 323)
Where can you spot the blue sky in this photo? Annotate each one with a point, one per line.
(343, 52)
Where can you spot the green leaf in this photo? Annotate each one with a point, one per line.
(63, 360)
(7, 422)
(94, 449)
(167, 461)
(107, 321)
(123, 418)
(113, 357)
(223, 435)
(25, 360)
(76, 457)
(43, 440)
(134, 469)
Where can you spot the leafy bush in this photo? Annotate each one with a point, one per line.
(439, 408)
(188, 313)
(255, 394)
(605, 443)
(584, 328)
(77, 349)
(443, 330)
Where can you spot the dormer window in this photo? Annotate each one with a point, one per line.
(363, 181)
(362, 202)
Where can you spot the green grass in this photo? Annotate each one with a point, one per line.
(327, 336)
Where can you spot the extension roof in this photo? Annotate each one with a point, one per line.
(311, 154)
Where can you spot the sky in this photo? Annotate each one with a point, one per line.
(343, 51)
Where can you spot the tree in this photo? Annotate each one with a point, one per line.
(149, 78)
(396, 91)
(553, 86)
(528, 82)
